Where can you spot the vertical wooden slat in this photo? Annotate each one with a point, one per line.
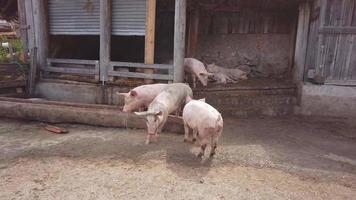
(150, 36)
(23, 26)
(105, 38)
(321, 47)
(41, 31)
(30, 24)
(179, 39)
(193, 33)
(301, 41)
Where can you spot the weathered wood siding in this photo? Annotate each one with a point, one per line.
(332, 43)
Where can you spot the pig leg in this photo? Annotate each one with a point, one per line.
(148, 139)
(186, 132)
(202, 150)
(195, 133)
(194, 81)
(214, 145)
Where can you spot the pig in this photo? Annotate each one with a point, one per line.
(197, 70)
(233, 74)
(166, 102)
(140, 97)
(205, 121)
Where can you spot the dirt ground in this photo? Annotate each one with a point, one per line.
(290, 158)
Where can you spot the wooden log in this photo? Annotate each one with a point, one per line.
(105, 38)
(193, 33)
(179, 39)
(41, 32)
(150, 36)
(58, 112)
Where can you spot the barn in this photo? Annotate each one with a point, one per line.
(300, 53)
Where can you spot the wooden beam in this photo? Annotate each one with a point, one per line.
(23, 26)
(32, 76)
(301, 41)
(337, 30)
(41, 31)
(193, 33)
(141, 75)
(140, 65)
(179, 39)
(150, 36)
(105, 38)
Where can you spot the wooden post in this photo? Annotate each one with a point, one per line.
(179, 39)
(105, 38)
(301, 42)
(150, 36)
(23, 26)
(41, 31)
(193, 33)
(33, 72)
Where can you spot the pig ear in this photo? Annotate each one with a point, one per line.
(133, 93)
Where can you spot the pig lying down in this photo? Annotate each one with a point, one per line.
(196, 69)
(205, 121)
(140, 97)
(168, 101)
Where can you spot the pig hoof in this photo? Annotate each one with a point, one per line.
(194, 140)
(185, 140)
(147, 142)
(212, 155)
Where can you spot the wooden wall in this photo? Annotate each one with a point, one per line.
(332, 43)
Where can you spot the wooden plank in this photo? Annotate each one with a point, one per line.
(105, 38)
(140, 75)
(179, 39)
(150, 36)
(337, 30)
(320, 47)
(140, 65)
(193, 33)
(301, 41)
(12, 84)
(33, 72)
(31, 27)
(341, 82)
(41, 32)
(23, 26)
(72, 61)
(66, 70)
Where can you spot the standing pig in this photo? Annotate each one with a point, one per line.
(197, 70)
(204, 120)
(166, 102)
(140, 97)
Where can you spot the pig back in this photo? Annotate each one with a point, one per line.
(174, 95)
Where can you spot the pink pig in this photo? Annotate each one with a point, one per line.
(140, 97)
(205, 121)
(197, 70)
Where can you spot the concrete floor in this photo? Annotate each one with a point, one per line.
(290, 158)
